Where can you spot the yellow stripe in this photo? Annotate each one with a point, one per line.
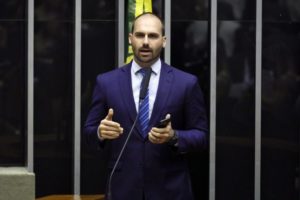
(139, 7)
(147, 5)
(129, 58)
(130, 49)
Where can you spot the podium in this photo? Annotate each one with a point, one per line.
(72, 197)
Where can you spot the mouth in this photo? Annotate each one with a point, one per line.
(145, 52)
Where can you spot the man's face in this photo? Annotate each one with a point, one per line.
(147, 40)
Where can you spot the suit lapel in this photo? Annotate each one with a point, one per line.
(127, 96)
(126, 91)
(163, 93)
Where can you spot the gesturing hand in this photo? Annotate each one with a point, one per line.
(108, 129)
(161, 135)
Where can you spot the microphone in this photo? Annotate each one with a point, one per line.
(143, 93)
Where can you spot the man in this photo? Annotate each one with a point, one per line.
(153, 165)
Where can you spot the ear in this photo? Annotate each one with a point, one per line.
(164, 41)
(129, 38)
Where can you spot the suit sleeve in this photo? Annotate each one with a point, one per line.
(97, 112)
(194, 136)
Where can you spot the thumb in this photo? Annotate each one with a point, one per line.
(109, 114)
(168, 116)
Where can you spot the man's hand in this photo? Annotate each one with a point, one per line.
(161, 135)
(108, 129)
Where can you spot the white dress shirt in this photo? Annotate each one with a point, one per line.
(136, 80)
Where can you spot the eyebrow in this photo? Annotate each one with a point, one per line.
(149, 34)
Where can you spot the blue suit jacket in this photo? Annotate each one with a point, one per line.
(156, 171)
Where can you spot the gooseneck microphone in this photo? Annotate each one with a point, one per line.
(143, 93)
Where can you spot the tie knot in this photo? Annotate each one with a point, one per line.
(143, 71)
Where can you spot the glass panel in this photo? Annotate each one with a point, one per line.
(158, 8)
(191, 10)
(288, 10)
(98, 9)
(190, 53)
(53, 116)
(98, 56)
(54, 9)
(12, 9)
(236, 9)
(235, 120)
(280, 111)
(12, 93)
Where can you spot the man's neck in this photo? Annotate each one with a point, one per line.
(144, 65)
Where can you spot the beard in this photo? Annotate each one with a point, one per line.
(146, 56)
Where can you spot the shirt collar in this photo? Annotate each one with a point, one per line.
(155, 67)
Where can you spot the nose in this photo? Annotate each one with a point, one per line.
(146, 41)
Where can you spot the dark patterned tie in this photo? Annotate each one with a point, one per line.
(144, 110)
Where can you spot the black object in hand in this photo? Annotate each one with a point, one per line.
(163, 123)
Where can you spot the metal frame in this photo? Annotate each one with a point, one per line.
(213, 86)
(77, 97)
(121, 32)
(167, 50)
(258, 76)
(30, 84)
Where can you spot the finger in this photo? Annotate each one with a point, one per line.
(110, 114)
(169, 126)
(157, 136)
(106, 123)
(168, 116)
(108, 127)
(156, 140)
(161, 131)
(162, 137)
(110, 123)
(110, 134)
(153, 139)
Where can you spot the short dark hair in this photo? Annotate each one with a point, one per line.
(154, 15)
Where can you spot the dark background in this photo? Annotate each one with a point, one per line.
(190, 49)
